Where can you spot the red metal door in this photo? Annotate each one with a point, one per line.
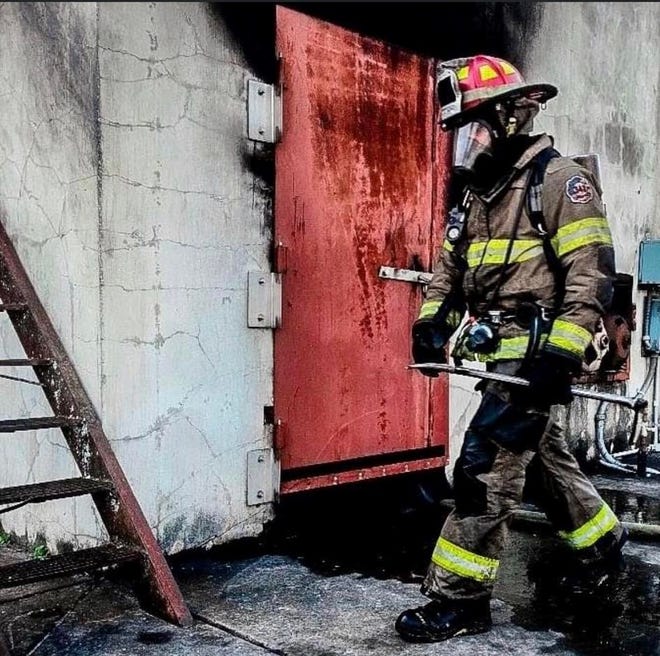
(357, 186)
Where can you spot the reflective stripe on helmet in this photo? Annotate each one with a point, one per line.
(460, 561)
(598, 526)
(494, 251)
(486, 72)
(580, 233)
(570, 337)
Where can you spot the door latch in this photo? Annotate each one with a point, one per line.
(405, 275)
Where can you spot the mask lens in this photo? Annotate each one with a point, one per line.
(471, 142)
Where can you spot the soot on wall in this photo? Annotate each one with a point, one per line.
(442, 30)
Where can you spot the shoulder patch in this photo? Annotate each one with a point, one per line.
(579, 189)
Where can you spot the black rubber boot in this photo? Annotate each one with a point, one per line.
(596, 576)
(441, 620)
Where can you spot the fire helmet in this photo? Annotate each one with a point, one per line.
(467, 85)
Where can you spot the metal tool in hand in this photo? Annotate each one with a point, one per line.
(634, 402)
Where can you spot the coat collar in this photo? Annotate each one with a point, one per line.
(544, 141)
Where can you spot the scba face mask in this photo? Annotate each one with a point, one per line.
(486, 148)
(473, 156)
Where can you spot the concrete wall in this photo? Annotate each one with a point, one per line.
(127, 189)
(603, 58)
(48, 197)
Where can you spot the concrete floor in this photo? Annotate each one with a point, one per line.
(334, 588)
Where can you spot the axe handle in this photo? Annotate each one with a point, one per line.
(634, 402)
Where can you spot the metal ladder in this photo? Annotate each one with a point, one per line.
(131, 540)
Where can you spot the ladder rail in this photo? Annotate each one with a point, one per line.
(122, 516)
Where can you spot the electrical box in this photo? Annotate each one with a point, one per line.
(649, 263)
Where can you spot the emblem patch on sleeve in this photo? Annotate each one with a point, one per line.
(579, 189)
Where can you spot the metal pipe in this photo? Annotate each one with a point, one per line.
(636, 530)
(604, 456)
(635, 402)
(654, 415)
(651, 371)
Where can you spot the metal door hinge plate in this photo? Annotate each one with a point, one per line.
(264, 112)
(262, 477)
(405, 275)
(264, 299)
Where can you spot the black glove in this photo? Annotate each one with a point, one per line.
(550, 377)
(429, 339)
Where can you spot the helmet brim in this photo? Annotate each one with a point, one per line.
(539, 92)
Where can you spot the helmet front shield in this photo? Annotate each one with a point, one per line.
(449, 94)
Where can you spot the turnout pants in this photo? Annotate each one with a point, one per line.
(489, 476)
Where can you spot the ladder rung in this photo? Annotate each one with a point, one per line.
(21, 362)
(35, 423)
(76, 562)
(12, 307)
(66, 487)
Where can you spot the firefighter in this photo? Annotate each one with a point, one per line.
(528, 253)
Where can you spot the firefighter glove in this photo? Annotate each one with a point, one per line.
(429, 339)
(550, 377)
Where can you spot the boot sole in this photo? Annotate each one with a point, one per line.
(463, 631)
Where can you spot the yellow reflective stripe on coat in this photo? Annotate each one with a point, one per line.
(570, 337)
(580, 233)
(510, 348)
(429, 308)
(494, 251)
(598, 526)
(447, 245)
(464, 563)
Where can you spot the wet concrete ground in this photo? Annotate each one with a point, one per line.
(329, 579)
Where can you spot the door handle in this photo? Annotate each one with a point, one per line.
(405, 275)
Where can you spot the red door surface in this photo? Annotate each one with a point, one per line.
(360, 181)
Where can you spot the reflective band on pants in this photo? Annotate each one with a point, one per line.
(598, 526)
(464, 563)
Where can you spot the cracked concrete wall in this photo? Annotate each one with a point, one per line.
(128, 193)
(48, 199)
(603, 58)
(184, 221)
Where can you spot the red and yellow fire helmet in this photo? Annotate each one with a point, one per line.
(464, 85)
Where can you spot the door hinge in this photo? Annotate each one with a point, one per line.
(264, 299)
(264, 112)
(405, 275)
(280, 257)
(262, 477)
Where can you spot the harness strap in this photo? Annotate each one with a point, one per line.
(535, 206)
